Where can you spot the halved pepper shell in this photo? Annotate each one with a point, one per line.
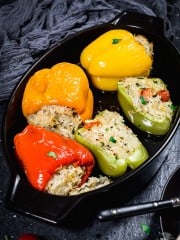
(110, 164)
(140, 119)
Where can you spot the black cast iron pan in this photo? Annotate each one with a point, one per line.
(21, 196)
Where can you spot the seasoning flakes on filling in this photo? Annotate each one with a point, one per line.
(149, 95)
(60, 119)
(66, 181)
(114, 137)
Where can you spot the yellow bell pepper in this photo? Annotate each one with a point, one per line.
(64, 84)
(114, 55)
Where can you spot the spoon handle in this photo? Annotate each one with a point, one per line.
(138, 209)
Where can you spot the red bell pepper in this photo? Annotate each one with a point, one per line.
(42, 152)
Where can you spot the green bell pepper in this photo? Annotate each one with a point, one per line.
(113, 150)
(142, 119)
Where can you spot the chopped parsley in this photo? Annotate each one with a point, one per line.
(146, 229)
(112, 139)
(172, 107)
(52, 154)
(143, 100)
(116, 40)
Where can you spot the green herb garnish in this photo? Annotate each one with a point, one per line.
(112, 139)
(116, 40)
(52, 154)
(172, 107)
(146, 229)
(143, 100)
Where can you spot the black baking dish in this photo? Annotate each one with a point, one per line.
(21, 196)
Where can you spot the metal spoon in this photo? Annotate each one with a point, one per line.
(138, 209)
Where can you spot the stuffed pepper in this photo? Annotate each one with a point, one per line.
(114, 145)
(114, 55)
(44, 153)
(147, 104)
(65, 84)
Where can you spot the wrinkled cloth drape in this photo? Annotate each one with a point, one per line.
(30, 27)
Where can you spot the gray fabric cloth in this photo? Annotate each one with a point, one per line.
(30, 27)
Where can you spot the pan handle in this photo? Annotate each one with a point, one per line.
(134, 19)
(22, 198)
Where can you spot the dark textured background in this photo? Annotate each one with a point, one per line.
(27, 29)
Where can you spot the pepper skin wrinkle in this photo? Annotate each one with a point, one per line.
(42, 152)
(64, 84)
(114, 55)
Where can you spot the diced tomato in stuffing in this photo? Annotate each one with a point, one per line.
(164, 94)
(89, 125)
(146, 93)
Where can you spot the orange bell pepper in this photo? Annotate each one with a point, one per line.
(42, 152)
(65, 84)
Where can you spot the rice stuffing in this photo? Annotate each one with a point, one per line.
(113, 131)
(66, 182)
(60, 119)
(153, 106)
